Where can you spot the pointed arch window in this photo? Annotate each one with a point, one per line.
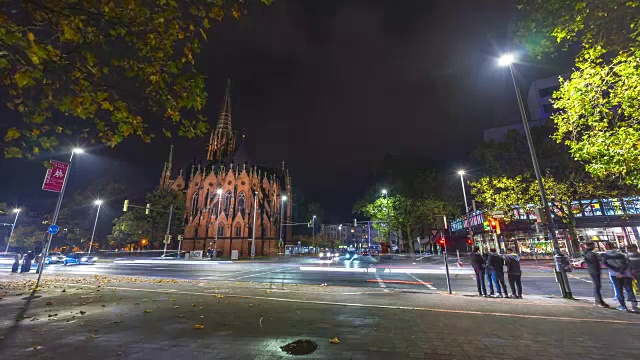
(220, 228)
(238, 231)
(194, 203)
(207, 199)
(241, 202)
(227, 202)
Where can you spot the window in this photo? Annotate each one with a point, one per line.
(548, 109)
(632, 205)
(238, 230)
(612, 207)
(241, 202)
(221, 229)
(207, 199)
(194, 203)
(547, 92)
(227, 202)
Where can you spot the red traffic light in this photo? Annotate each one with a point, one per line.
(440, 241)
(469, 242)
(493, 223)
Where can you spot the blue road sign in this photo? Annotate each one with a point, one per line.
(53, 229)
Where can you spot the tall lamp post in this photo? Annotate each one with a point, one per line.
(215, 251)
(466, 204)
(386, 198)
(563, 280)
(253, 238)
(313, 231)
(56, 213)
(17, 211)
(99, 203)
(282, 200)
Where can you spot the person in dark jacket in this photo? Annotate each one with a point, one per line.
(478, 265)
(497, 272)
(514, 273)
(487, 268)
(593, 267)
(634, 261)
(620, 273)
(16, 264)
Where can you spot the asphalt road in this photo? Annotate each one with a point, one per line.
(424, 275)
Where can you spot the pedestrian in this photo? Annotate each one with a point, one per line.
(514, 273)
(620, 273)
(29, 258)
(497, 272)
(592, 260)
(487, 268)
(634, 261)
(16, 263)
(478, 264)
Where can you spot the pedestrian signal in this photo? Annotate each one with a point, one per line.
(148, 209)
(126, 206)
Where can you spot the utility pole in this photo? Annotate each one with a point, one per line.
(253, 239)
(166, 241)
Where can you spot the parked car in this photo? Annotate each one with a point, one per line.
(54, 258)
(172, 256)
(79, 258)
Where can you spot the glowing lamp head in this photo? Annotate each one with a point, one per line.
(16, 210)
(461, 172)
(384, 191)
(78, 150)
(506, 60)
(98, 202)
(219, 191)
(284, 197)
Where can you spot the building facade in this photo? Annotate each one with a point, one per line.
(223, 196)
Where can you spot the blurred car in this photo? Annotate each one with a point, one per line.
(364, 253)
(172, 256)
(78, 258)
(327, 255)
(54, 258)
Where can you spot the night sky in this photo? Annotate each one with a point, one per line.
(330, 87)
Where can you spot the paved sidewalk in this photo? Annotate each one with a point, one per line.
(137, 318)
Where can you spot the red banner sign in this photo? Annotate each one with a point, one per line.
(54, 180)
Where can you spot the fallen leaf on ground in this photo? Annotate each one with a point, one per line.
(176, 306)
(334, 341)
(219, 295)
(198, 326)
(117, 321)
(148, 311)
(194, 305)
(82, 312)
(250, 305)
(91, 337)
(268, 292)
(49, 303)
(64, 290)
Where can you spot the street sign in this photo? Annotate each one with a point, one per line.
(54, 179)
(53, 229)
(434, 232)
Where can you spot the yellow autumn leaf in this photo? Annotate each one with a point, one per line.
(334, 341)
(12, 134)
(198, 326)
(30, 36)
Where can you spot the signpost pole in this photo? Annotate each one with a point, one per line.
(55, 218)
(253, 237)
(446, 263)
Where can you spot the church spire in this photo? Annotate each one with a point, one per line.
(222, 139)
(166, 172)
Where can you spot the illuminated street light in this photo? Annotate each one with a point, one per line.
(215, 251)
(461, 172)
(563, 280)
(283, 199)
(506, 59)
(466, 204)
(384, 191)
(17, 212)
(99, 203)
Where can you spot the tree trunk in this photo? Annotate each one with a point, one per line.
(573, 234)
(410, 242)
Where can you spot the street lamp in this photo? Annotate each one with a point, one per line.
(253, 238)
(17, 211)
(99, 203)
(57, 212)
(466, 204)
(282, 200)
(313, 231)
(219, 192)
(386, 198)
(340, 233)
(508, 60)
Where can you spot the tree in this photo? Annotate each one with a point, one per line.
(135, 225)
(26, 238)
(104, 69)
(600, 103)
(568, 185)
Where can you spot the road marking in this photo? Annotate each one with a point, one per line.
(426, 271)
(581, 279)
(181, 262)
(332, 269)
(428, 285)
(375, 306)
(396, 281)
(381, 283)
(251, 275)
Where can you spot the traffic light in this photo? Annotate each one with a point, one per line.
(494, 225)
(148, 209)
(469, 242)
(126, 206)
(355, 223)
(440, 241)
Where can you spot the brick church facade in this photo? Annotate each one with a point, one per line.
(222, 195)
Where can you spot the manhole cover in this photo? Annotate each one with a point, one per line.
(300, 347)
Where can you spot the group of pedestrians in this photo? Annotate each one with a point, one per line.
(23, 263)
(623, 270)
(491, 265)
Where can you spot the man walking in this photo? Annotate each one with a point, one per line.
(497, 272)
(514, 273)
(593, 267)
(478, 264)
(620, 273)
